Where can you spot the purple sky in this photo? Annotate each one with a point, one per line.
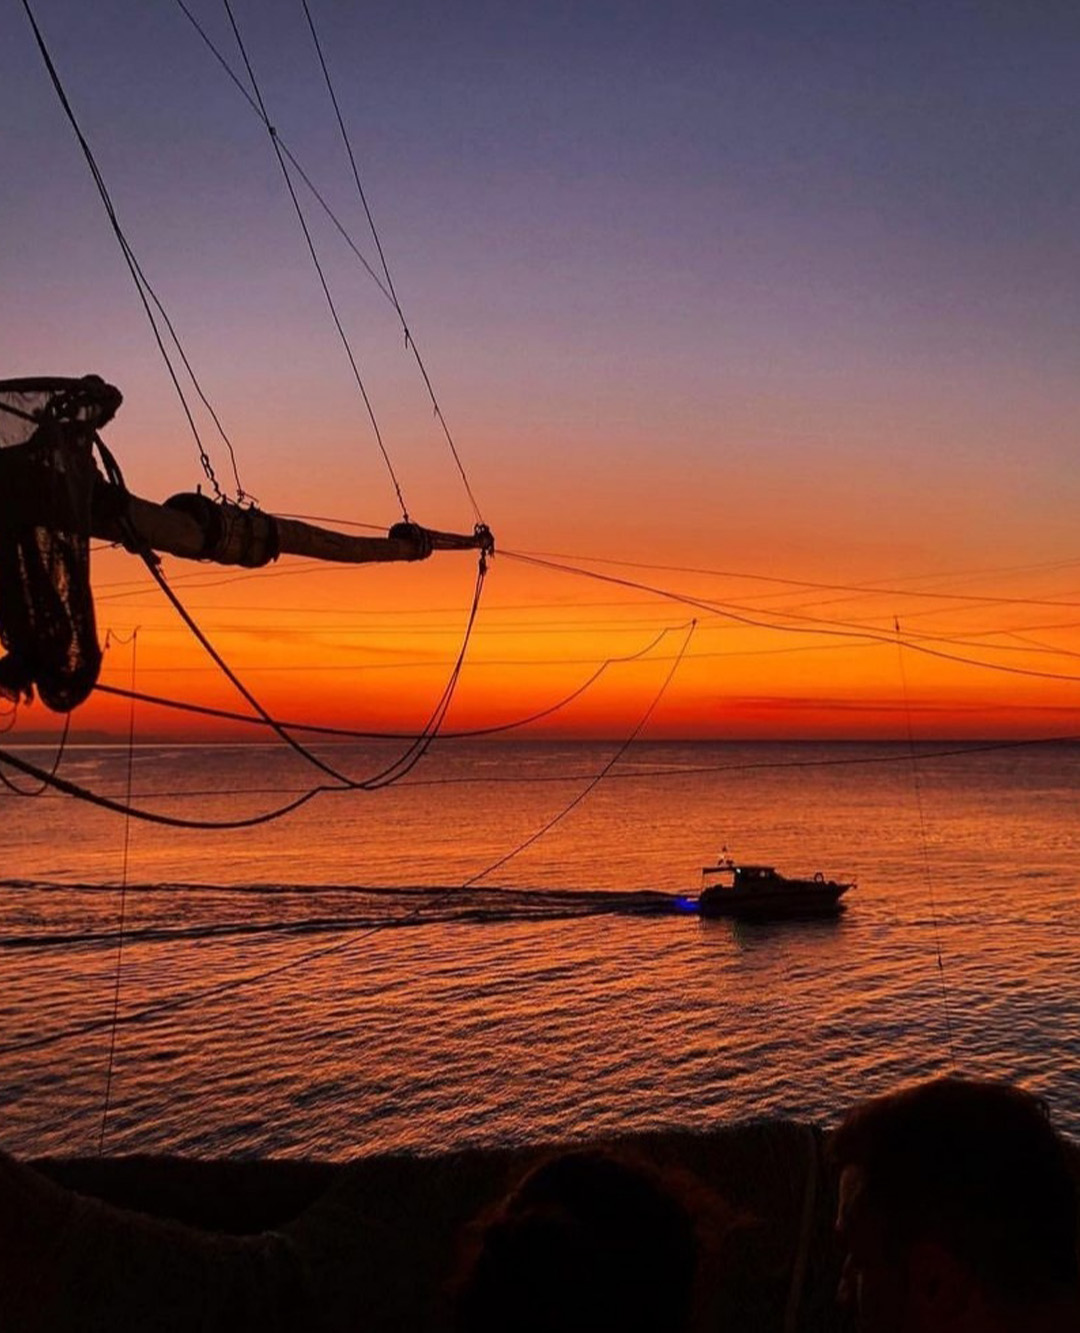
(768, 255)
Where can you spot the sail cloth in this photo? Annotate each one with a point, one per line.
(47, 473)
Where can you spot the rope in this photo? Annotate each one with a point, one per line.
(925, 850)
(393, 773)
(385, 287)
(386, 776)
(297, 167)
(142, 284)
(817, 586)
(535, 837)
(134, 640)
(173, 1003)
(272, 132)
(405, 763)
(81, 793)
(410, 342)
(815, 624)
(227, 715)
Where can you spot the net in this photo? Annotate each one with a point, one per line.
(47, 474)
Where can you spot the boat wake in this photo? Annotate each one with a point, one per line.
(47, 915)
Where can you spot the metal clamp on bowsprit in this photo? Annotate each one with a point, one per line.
(419, 538)
(230, 535)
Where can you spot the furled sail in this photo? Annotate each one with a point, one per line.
(47, 430)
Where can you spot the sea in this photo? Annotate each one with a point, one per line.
(500, 948)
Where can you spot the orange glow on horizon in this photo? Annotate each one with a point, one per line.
(372, 649)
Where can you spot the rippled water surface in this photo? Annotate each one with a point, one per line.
(325, 985)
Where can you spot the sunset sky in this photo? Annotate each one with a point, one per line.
(771, 306)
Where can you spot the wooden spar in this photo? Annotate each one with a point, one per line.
(195, 528)
(50, 481)
(51, 492)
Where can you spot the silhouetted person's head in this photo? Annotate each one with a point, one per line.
(587, 1242)
(958, 1212)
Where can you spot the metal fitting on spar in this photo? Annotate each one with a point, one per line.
(230, 535)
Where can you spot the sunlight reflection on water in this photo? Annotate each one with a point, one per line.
(492, 1026)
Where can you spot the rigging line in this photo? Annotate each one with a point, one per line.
(927, 874)
(387, 288)
(383, 779)
(335, 522)
(14, 787)
(81, 793)
(208, 41)
(409, 340)
(123, 897)
(205, 710)
(404, 764)
(173, 1003)
(340, 636)
(831, 628)
(272, 132)
(197, 580)
(352, 161)
(142, 284)
(746, 614)
(652, 774)
(1034, 644)
(597, 778)
(834, 587)
(281, 731)
(153, 565)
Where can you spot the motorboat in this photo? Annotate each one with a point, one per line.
(761, 893)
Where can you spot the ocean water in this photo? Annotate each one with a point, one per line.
(347, 980)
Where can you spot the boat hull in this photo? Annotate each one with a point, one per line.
(793, 901)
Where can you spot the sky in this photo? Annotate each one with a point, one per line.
(764, 313)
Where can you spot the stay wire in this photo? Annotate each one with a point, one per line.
(816, 585)
(385, 287)
(410, 342)
(599, 777)
(123, 899)
(172, 1004)
(924, 844)
(816, 625)
(297, 166)
(272, 132)
(143, 287)
(234, 680)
